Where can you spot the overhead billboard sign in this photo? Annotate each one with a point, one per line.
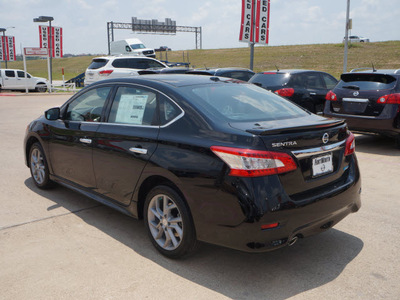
(154, 26)
(56, 40)
(7, 48)
(255, 21)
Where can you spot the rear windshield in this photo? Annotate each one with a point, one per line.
(367, 81)
(136, 63)
(97, 63)
(270, 79)
(241, 102)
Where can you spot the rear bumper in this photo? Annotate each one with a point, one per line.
(296, 219)
(382, 125)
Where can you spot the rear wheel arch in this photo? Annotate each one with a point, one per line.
(149, 184)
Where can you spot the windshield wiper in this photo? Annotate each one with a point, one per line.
(353, 87)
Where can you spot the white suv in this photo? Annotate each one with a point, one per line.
(118, 66)
(11, 79)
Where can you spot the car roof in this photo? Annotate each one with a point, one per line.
(213, 70)
(123, 56)
(374, 71)
(176, 80)
(289, 71)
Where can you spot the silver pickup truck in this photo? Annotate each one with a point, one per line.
(11, 79)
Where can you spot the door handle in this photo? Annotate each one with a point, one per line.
(313, 94)
(85, 141)
(138, 150)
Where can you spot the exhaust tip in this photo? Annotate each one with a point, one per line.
(293, 241)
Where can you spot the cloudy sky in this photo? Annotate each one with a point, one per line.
(84, 22)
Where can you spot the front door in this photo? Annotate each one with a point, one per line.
(71, 141)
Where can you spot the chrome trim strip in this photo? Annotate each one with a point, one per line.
(138, 150)
(318, 150)
(358, 100)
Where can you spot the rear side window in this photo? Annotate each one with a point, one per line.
(313, 81)
(365, 81)
(97, 63)
(10, 74)
(134, 106)
(270, 79)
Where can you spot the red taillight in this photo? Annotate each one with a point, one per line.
(389, 99)
(269, 226)
(285, 92)
(269, 73)
(331, 96)
(105, 72)
(254, 163)
(350, 144)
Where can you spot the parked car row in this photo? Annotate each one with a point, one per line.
(312, 90)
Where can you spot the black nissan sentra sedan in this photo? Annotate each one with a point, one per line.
(200, 159)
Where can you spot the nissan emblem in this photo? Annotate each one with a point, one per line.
(325, 138)
(356, 93)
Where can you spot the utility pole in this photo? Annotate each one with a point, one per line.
(346, 37)
(253, 30)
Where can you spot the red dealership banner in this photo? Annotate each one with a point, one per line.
(7, 48)
(255, 21)
(56, 40)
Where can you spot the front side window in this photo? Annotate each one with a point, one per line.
(134, 106)
(88, 106)
(21, 74)
(330, 82)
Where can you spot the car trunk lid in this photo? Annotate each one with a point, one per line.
(317, 147)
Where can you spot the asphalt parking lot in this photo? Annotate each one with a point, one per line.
(58, 244)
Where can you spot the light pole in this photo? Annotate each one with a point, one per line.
(346, 37)
(3, 30)
(48, 19)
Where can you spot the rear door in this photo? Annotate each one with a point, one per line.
(316, 88)
(126, 141)
(10, 79)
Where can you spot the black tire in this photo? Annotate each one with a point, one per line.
(170, 230)
(41, 88)
(39, 167)
(397, 141)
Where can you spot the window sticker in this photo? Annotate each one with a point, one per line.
(131, 109)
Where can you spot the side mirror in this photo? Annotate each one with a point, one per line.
(52, 114)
